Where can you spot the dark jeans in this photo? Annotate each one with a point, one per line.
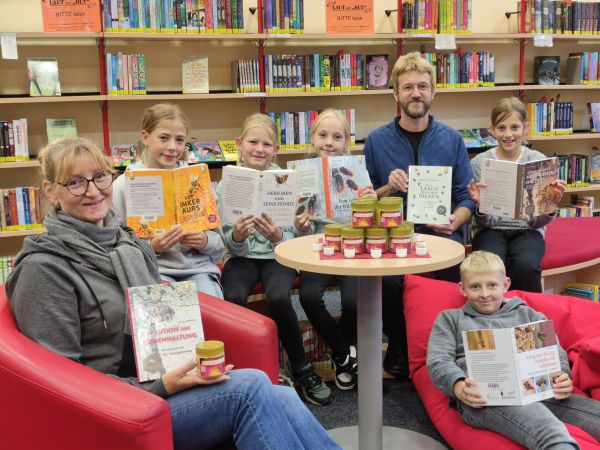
(339, 335)
(238, 279)
(392, 288)
(521, 251)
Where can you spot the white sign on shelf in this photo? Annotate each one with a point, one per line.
(543, 40)
(445, 42)
(8, 42)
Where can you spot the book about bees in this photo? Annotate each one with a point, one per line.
(513, 366)
(429, 194)
(327, 185)
(157, 199)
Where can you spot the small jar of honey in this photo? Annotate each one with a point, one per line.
(210, 359)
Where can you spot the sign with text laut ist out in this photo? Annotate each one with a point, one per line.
(349, 16)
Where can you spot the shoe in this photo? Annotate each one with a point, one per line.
(346, 371)
(394, 362)
(311, 386)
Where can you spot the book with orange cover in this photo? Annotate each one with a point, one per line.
(157, 199)
(327, 185)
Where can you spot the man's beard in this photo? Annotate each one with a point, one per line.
(415, 113)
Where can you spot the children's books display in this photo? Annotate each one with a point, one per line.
(194, 75)
(43, 77)
(327, 185)
(14, 142)
(519, 190)
(249, 191)
(229, 149)
(57, 128)
(377, 75)
(478, 138)
(165, 326)
(429, 194)
(206, 151)
(513, 366)
(157, 199)
(546, 69)
(123, 155)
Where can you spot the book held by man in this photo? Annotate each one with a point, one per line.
(429, 194)
(513, 366)
(327, 185)
(249, 191)
(157, 199)
(43, 77)
(166, 325)
(519, 190)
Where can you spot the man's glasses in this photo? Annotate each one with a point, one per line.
(79, 185)
(409, 88)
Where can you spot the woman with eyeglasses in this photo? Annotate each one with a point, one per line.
(67, 292)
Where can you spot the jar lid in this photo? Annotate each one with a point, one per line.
(334, 228)
(401, 230)
(388, 203)
(377, 232)
(210, 349)
(351, 232)
(363, 203)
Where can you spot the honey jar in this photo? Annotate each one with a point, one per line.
(402, 237)
(389, 212)
(376, 237)
(333, 236)
(353, 238)
(363, 212)
(210, 359)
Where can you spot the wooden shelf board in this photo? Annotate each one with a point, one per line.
(49, 35)
(355, 149)
(552, 87)
(557, 137)
(330, 93)
(22, 233)
(590, 188)
(20, 164)
(59, 99)
(160, 97)
(183, 36)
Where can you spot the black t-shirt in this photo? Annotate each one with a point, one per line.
(414, 137)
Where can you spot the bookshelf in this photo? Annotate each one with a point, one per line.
(115, 119)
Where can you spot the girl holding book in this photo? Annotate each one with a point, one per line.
(520, 243)
(250, 258)
(181, 255)
(67, 292)
(330, 136)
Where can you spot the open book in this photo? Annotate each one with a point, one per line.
(327, 185)
(157, 199)
(249, 191)
(519, 190)
(429, 194)
(165, 326)
(513, 366)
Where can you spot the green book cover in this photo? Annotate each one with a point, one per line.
(57, 128)
(43, 77)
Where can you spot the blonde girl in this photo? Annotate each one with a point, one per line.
(250, 258)
(181, 255)
(330, 136)
(520, 243)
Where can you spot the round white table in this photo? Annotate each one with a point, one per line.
(298, 254)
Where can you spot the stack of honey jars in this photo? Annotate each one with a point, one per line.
(376, 225)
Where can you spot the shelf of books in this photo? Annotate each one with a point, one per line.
(574, 136)
(589, 188)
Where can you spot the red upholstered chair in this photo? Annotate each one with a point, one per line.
(576, 323)
(53, 403)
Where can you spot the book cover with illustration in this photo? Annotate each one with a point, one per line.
(207, 151)
(485, 137)
(43, 77)
(157, 199)
(249, 191)
(593, 110)
(166, 325)
(546, 70)
(377, 69)
(595, 165)
(57, 128)
(327, 185)
(429, 194)
(525, 360)
(470, 139)
(229, 149)
(519, 190)
(194, 75)
(123, 155)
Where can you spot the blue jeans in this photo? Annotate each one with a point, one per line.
(205, 282)
(538, 425)
(249, 408)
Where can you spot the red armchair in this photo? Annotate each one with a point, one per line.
(54, 403)
(576, 323)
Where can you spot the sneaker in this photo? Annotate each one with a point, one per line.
(346, 371)
(312, 387)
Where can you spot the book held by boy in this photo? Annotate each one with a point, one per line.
(157, 199)
(513, 366)
(166, 325)
(43, 77)
(327, 185)
(519, 190)
(249, 191)
(429, 194)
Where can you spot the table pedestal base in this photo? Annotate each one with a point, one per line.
(393, 438)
